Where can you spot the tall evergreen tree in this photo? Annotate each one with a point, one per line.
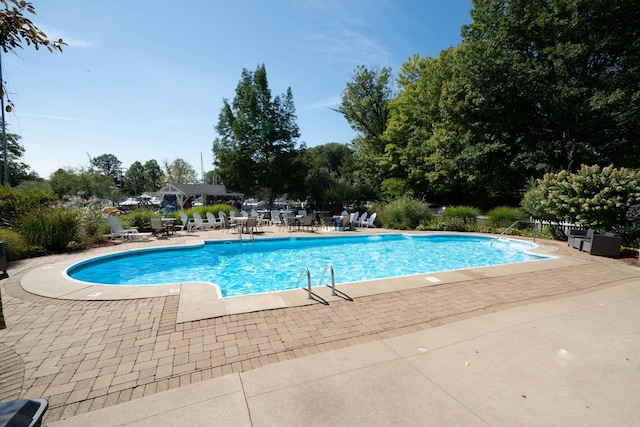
(256, 149)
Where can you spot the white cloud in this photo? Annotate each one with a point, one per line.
(324, 103)
(45, 116)
(339, 33)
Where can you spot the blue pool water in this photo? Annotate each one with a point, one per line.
(269, 265)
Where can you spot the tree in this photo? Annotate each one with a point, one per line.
(153, 175)
(256, 149)
(179, 172)
(109, 165)
(135, 180)
(15, 29)
(365, 105)
(83, 183)
(535, 86)
(17, 170)
(564, 87)
(330, 180)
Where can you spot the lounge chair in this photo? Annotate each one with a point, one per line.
(275, 218)
(603, 245)
(213, 222)
(369, 222)
(118, 231)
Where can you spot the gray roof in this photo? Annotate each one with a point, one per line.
(202, 190)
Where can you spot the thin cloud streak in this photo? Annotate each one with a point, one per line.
(45, 116)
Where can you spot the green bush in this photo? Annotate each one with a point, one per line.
(15, 244)
(593, 197)
(504, 216)
(468, 214)
(14, 204)
(92, 227)
(403, 213)
(53, 229)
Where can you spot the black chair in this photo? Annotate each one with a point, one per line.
(23, 413)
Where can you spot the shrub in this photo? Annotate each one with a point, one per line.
(15, 245)
(92, 227)
(504, 216)
(468, 214)
(54, 229)
(14, 204)
(404, 213)
(593, 197)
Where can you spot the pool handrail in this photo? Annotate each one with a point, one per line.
(308, 280)
(512, 225)
(333, 279)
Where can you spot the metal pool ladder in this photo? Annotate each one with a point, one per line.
(333, 279)
(305, 269)
(240, 234)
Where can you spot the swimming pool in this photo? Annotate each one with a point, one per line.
(275, 264)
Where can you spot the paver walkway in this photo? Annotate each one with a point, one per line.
(86, 355)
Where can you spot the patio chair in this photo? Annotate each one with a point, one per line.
(249, 225)
(578, 241)
(309, 222)
(23, 412)
(360, 221)
(198, 223)
(260, 223)
(603, 245)
(232, 219)
(158, 227)
(141, 225)
(352, 220)
(344, 223)
(184, 218)
(369, 223)
(573, 234)
(224, 223)
(213, 222)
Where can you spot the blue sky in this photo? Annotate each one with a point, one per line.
(146, 80)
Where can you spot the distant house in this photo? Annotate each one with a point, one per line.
(182, 195)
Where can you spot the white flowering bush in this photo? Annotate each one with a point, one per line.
(593, 197)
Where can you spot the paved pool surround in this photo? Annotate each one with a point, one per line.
(91, 354)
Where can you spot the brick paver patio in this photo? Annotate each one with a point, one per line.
(85, 355)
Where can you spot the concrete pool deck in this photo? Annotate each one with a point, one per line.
(144, 361)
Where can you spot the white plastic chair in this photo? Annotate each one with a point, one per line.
(369, 223)
(215, 223)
